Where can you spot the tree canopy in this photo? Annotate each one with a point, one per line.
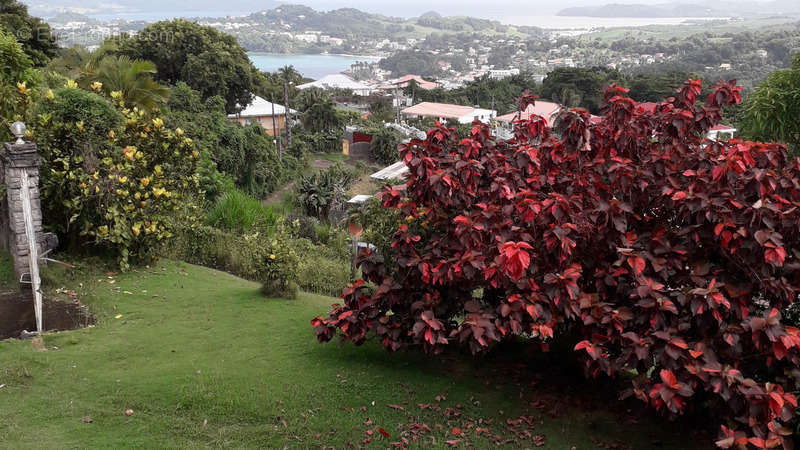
(36, 37)
(207, 60)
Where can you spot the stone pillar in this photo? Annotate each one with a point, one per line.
(21, 161)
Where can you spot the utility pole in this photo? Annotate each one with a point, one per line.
(275, 137)
(288, 109)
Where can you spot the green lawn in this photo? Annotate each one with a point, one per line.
(204, 361)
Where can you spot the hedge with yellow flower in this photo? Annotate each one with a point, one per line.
(113, 178)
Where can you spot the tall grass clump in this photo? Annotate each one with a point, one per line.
(236, 211)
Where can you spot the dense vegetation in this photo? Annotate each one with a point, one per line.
(662, 257)
(209, 61)
(773, 109)
(37, 40)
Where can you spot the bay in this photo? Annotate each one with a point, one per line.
(310, 66)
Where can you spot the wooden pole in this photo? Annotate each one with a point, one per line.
(288, 115)
(275, 136)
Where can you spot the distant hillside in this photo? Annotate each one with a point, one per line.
(699, 8)
(635, 10)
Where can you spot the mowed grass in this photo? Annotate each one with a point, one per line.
(203, 360)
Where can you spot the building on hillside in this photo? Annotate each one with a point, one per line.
(445, 112)
(498, 74)
(339, 81)
(404, 81)
(547, 110)
(270, 117)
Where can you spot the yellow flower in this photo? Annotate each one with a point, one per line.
(178, 132)
(123, 179)
(158, 192)
(272, 256)
(136, 229)
(129, 152)
(158, 122)
(137, 196)
(96, 189)
(111, 134)
(50, 95)
(96, 86)
(145, 181)
(71, 84)
(23, 88)
(79, 125)
(157, 169)
(195, 154)
(116, 95)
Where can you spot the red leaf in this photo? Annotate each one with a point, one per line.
(383, 432)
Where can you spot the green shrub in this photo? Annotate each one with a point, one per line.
(323, 269)
(270, 260)
(323, 276)
(114, 180)
(237, 211)
(384, 146)
(322, 192)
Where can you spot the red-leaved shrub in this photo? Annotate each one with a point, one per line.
(671, 255)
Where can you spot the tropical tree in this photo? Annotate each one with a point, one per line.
(132, 79)
(36, 38)
(321, 116)
(207, 60)
(772, 110)
(16, 81)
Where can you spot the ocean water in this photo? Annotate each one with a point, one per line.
(310, 66)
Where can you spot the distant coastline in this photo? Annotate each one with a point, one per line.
(663, 11)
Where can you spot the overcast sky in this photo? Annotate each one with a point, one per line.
(404, 8)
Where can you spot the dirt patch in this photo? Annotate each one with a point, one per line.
(16, 314)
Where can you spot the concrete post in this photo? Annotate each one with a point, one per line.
(20, 167)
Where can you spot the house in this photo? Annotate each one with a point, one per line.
(405, 80)
(272, 117)
(444, 112)
(546, 110)
(498, 74)
(339, 81)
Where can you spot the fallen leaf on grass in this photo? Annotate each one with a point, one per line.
(455, 431)
(87, 419)
(539, 440)
(452, 442)
(440, 398)
(383, 432)
(118, 316)
(397, 407)
(128, 412)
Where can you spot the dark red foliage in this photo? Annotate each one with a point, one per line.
(672, 256)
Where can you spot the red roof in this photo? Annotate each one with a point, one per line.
(547, 110)
(404, 81)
